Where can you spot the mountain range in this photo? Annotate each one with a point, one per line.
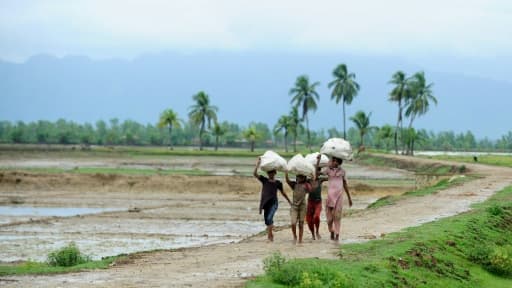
(246, 87)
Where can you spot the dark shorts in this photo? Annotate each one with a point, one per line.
(269, 210)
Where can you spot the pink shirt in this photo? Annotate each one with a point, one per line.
(335, 187)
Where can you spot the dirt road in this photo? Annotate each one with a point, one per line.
(227, 265)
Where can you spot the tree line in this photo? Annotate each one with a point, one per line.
(413, 96)
(128, 132)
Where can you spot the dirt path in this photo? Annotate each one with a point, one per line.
(227, 265)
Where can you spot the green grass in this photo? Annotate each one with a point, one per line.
(441, 185)
(31, 267)
(497, 160)
(119, 171)
(458, 251)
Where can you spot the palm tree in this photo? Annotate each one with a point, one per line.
(201, 113)
(385, 133)
(170, 119)
(284, 123)
(344, 89)
(304, 95)
(362, 122)
(399, 94)
(419, 101)
(251, 135)
(412, 137)
(218, 131)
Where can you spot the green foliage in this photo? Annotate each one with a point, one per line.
(303, 274)
(67, 256)
(273, 264)
(500, 260)
(31, 267)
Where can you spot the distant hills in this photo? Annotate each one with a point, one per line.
(245, 86)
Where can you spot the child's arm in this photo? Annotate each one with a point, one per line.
(255, 173)
(345, 185)
(290, 183)
(284, 194)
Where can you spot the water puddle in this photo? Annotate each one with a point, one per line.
(51, 211)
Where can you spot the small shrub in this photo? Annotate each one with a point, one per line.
(310, 281)
(480, 254)
(273, 264)
(67, 256)
(495, 210)
(500, 261)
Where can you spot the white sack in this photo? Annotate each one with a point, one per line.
(337, 147)
(312, 158)
(300, 166)
(270, 160)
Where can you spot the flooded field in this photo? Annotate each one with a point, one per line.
(108, 215)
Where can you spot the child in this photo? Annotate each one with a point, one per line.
(314, 208)
(268, 201)
(334, 203)
(298, 210)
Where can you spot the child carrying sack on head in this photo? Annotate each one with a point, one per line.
(300, 188)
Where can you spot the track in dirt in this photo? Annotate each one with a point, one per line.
(227, 265)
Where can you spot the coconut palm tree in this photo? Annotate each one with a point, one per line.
(420, 97)
(218, 130)
(251, 135)
(284, 123)
(362, 122)
(202, 113)
(305, 95)
(344, 89)
(170, 119)
(399, 94)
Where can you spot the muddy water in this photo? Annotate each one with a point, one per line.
(175, 215)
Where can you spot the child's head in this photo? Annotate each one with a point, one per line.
(301, 178)
(336, 162)
(271, 174)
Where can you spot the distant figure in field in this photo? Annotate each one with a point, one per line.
(334, 203)
(298, 211)
(314, 208)
(268, 201)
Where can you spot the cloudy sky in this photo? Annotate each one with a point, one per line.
(474, 29)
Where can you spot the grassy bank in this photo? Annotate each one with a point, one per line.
(473, 249)
(441, 185)
(430, 169)
(117, 171)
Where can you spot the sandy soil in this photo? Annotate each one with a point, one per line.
(226, 264)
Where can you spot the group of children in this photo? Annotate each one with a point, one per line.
(300, 209)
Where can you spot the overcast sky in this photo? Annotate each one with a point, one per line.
(473, 29)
